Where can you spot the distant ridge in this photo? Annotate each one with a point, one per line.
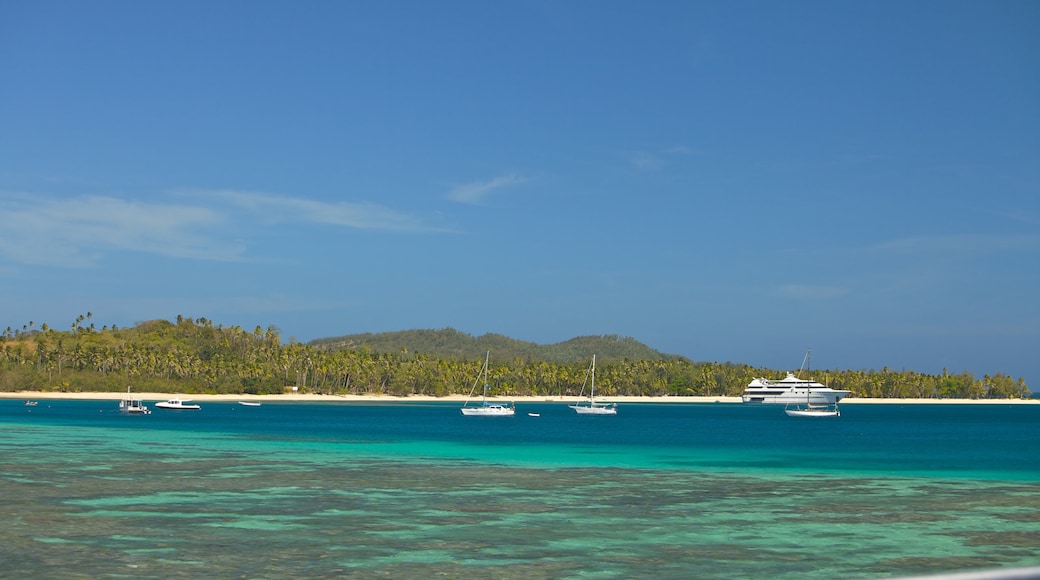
(449, 343)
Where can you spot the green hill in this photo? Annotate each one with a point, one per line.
(452, 344)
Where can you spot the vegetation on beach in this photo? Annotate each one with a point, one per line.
(199, 356)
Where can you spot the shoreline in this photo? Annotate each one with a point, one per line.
(312, 398)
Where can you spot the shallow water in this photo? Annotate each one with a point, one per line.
(417, 490)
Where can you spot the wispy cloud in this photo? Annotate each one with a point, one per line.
(805, 292)
(684, 151)
(281, 209)
(657, 159)
(1019, 216)
(79, 231)
(476, 191)
(646, 161)
(964, 243)
(75, 232)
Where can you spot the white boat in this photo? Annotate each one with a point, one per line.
(249, 403)
(813, 411)
(486, 409)
(791, 390)
(31, 403)
(132, 406)
(591, 407)
(178, 405)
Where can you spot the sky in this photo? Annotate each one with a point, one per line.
(728, 181)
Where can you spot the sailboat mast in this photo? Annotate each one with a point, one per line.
(592, 396)
(487, 358)
(808, 376)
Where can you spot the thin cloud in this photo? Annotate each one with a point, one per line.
(805, 292)
(281, 209)
(646, 161)
(1019, 216)
(77, 232)
(654, 160)
(683, 150)
(964, 243)
(476, 192)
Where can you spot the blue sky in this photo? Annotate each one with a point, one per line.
(730, 181)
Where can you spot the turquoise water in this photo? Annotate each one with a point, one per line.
(418, 490)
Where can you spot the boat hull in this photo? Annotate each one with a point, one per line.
(812, 412)
(489, 411)
(598, 410)
(796, 396)
(175, 406)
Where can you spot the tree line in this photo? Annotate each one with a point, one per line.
(197, 356)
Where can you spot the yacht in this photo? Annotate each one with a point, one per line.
(791, 390)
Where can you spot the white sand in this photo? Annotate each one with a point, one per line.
(36, 395)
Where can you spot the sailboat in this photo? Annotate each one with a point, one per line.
(814, 411)
(809, 409)
(591, 407)
(486, 409)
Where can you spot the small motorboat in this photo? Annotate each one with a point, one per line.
(534, 414)
(178, 405)
(132, 406)
(249, 403)
(31, 403)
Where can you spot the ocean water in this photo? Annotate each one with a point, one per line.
(419, 491)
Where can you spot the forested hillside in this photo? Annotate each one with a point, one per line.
(452, 344)
(198, 356)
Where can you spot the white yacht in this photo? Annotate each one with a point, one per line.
(791, 390)
(178, 405)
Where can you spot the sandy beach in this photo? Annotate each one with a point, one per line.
(313, 398)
